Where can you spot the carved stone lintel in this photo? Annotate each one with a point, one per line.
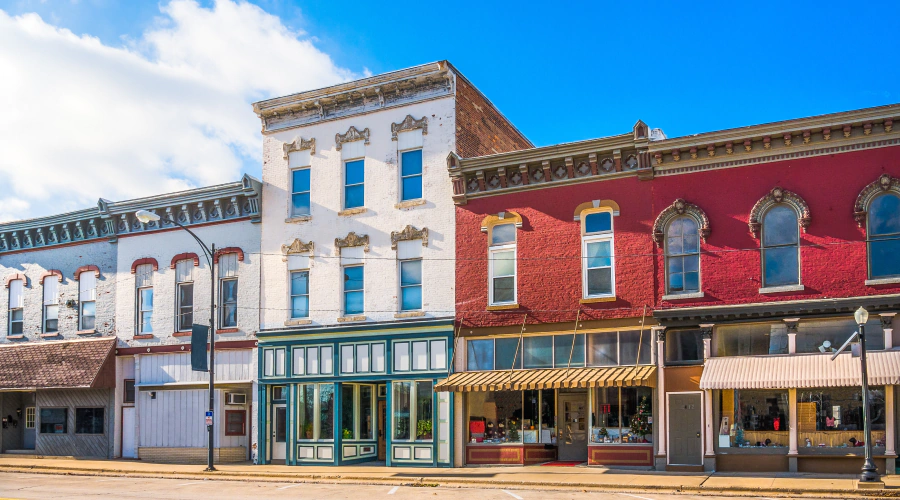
(883, 184)
(678, 208)
(409, 233)
(350, 136)
(352, 240)
(298, 246)
(775, 196)
(299, 144)
(409, 123)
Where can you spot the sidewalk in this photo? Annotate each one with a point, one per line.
(517, 477)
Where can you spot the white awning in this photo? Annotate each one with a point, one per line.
(799, 371)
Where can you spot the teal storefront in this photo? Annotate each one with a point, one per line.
(356, 394)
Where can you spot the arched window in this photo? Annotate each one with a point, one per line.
(597, 249)
(682, 256)
(780, 247)
(503, 264)
(884, 236)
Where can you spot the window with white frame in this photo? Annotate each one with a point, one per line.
(780, 247)
(87, 298)
(883, 229)
(420, 355)
(502, 264)
(412, 410)
(312, 360)
(682, 256)
(273, 361)
(353, 289)
(51, 304)
(299, 294)
(143, 281)
(228, 290)
(411, 175)
(362, 358)
(598, 269)
(300, 190)
(16, 307)
(184, 295)
(409, 255)
(354, 184)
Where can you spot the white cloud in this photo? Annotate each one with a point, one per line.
(80, 120)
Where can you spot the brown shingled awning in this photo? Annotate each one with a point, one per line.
(557, 378)
(86, 364)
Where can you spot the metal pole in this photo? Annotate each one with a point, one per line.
(210, 466)
(869, 471)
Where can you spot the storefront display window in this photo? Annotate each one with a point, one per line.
(365, 412)
(495, 417)
(828, 335)
(306, 403)
(538, 352)
(754, 419)
(507, 353)
(402, 393)
(424, 414)
(622, 415)
(538, 416)
(413, 410)
(348, 406)
(754, 339)
(326, 411)
(831, 417)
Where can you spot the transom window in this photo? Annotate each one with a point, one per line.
(597, 255)
(420, 355)
(363, 358)
(683, 256)
(354, 184)
(780, 247)
(614, 348)
(503, 264)
(884, 236)
(411, 175)
(312, 360)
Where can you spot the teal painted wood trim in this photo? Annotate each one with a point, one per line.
(389, 420)
(262, 452)
(338, 429)
(291, 433)
(435, 410)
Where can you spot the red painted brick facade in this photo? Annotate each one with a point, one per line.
(480, 128)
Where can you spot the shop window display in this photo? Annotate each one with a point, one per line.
(754, 339)
(832, 417)
(622, 415)
(828, 335)
(754, 419)
(495, 417)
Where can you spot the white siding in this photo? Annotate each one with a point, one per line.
(232, 365)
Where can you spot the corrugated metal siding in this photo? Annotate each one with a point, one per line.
(799, 371)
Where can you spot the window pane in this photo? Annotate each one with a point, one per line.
(354, 196)
(597, 222)
(326, 411)
(781, 265)
(751, 339)
(88, 312)
(684, 346)
(353, 278)
(504, 289)
(423, 411)
(346, 359)
(603, 349)
(504, 263)
(362, 358)
(298, 366)
(837, 413)
(563, 347)
(598, 254)
(884, 256)
(629, 344)
(480, 355)
(401, 397)
(53, 421)
(300, 307)
(300, 204)
(420, 355)
(229, 290)
(185, 306)
(828, 335)
(600, 281)
(412, 187)
(366, 426)
(377, 358)
(493, 414)
(503, 233)
(401, 356)
(780, 226)
(355, 172)
(884, 215)
(89, 420)
(538, 352)
(347, 406)
(307, 410)
(51, 318)
(438, 354)
(129, 391)
(353, 303)
(410, 272)
(505, 351)
(411, 298)
(234, 422)
(300, 180)
(326, 360)
(411, 162)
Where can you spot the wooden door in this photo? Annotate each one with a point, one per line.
(685, 429)
(573, 436)
(382, 437)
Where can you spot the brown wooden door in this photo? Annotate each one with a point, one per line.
(382, 442)
(573, 434)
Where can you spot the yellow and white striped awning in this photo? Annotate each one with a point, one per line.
(556, 378)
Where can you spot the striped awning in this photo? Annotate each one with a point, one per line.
(800, 371)
(556, 378)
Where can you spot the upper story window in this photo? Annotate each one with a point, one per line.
(87, 298)
(409, 262)
(503, 264)
(780, 246)
(684, 346)
(184, 295)
(354, 184)
(299, 294)
(420, 355)
(683, 256)
(51, 304)
(884, 236)
(354, 300)
(228, 290)
(300, 191)
(411, 175)
(143, 280)
(17, 307)
(597, 255)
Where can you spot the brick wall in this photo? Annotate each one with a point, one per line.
(192, 455)
(480, 128)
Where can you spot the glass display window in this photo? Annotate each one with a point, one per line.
(622, 415)
(832, 417)
(754, 419)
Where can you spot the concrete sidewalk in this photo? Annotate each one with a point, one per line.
(556, 478)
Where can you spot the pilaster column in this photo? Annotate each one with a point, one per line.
(792, 447)
(661, 412)
(706, 331)
(792, 334)
(887, 320)
(890, 444)
(710, 435)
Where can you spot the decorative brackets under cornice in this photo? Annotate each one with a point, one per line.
(352, 240)
(409, 123)
(298, 246)
(775, 196)
(351, 136)
(299, 144)
(409, 233)
(883, 184)
(678, 208)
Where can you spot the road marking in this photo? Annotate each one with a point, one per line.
(512, 495)
(186, 484)
(108, 480)
(290, 486)
(393, 490)
(635, 496)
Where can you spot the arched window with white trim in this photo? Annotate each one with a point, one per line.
(682, 256)
(780, 244)
(597, 250)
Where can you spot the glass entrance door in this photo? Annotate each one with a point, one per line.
(574, 431)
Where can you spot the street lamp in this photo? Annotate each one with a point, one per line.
(146, 217)
(869, 472)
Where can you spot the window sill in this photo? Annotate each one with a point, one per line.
(15, 337)
(298, 219)
(297, 322)
(352, 211)
(181, 334)
(409, 204)
(83, 332)
(227, 330)
(883, 281)
(351, 319)
(502, 307)
(682, 296)
(594, 300)
(146, 336)
(779, 289)
(410, 314)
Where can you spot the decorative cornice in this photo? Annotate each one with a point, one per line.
(297, 247)
(351, 135)
(141, 262)
(352, 240)
(185, 256)
(409, 123)
(223, 251)
(299, 144)
(885, 183)
(409, 233)
(775, 196)
(678, 208)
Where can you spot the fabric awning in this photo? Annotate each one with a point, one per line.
(800, 371)
(65, 364)
(556, 378)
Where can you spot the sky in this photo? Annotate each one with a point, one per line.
(120, 99)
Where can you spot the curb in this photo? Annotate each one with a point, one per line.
(453, 483)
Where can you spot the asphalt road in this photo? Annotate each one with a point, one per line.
(43, 486)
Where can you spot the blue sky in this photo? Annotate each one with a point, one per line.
(178, 77)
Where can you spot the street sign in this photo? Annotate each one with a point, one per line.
(209, 417)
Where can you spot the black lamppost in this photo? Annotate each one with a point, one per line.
(869, 472)
(145, 217)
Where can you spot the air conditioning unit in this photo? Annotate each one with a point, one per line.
(235, 398)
